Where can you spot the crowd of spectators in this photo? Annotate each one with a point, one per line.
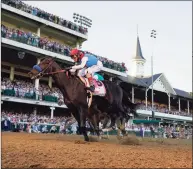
(162, 131)
(161, 108)
(46, 44)
(44, 15)
(26, 89)
(33, 123)
(23, 88)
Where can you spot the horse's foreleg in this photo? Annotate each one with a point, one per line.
(94, 116)
(83, 112)
(76, 115)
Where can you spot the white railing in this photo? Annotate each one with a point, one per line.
(31, 101)
(164, 115)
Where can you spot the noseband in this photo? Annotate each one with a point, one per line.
(42, 72)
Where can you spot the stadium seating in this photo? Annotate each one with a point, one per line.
(44, 43)
(44, 15)
(20, 90)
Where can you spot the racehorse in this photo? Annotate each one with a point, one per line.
(75, 95)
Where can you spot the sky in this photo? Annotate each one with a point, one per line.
(114, 33)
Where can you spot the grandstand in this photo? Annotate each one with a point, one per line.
(29, 35)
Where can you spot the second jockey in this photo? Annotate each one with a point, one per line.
(88, 64)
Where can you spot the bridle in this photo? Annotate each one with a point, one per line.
(42, 72)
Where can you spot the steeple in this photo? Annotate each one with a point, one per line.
(138, 61)
(138, 54)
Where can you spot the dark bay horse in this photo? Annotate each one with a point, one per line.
(75, 95)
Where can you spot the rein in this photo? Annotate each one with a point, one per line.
(51, 73)
(41, 74)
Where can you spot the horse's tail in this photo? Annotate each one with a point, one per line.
(128, 103)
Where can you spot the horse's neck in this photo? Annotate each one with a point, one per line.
(62, 82)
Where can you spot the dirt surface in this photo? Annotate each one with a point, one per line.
(21, 150)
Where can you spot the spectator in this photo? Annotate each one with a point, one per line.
(53, 129)
(44, 15)
(44, 43)
(45, 129)
(62, 129)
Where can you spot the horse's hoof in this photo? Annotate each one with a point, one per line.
(86, 139)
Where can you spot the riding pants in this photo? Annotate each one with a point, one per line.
(91, 70)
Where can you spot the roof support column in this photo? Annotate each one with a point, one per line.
(35, 111)
(133, 95)
(169, 102)
(50, 81)
(77, 44)
(52, 112)
(37, 82)
(188, 106)
(12, 73)
(38, 31)
(179, 105)
(146, 98)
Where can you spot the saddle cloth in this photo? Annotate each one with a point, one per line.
(100, 89)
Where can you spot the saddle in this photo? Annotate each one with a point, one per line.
(100, 89)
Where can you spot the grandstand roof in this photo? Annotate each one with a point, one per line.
(182, 93)
(138, 54)
(146, 82)
(133, 80)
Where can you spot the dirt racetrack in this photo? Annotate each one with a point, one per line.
(22, 150)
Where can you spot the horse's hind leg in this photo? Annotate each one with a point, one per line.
(83, 111)
(123, 121)
(105, 122)
(118, 123)
(96, 125)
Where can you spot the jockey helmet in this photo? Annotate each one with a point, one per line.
(76, 52)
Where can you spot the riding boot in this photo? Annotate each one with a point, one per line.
(92, 87)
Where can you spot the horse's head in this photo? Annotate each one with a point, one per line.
(45, 66)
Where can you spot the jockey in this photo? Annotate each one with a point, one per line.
(88, 65)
